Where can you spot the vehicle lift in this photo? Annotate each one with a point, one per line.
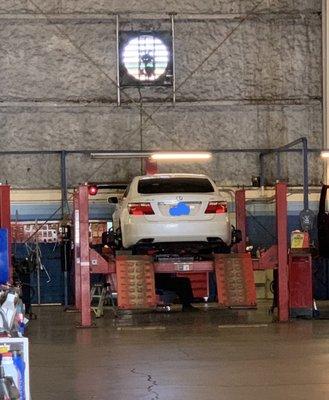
(87, 261)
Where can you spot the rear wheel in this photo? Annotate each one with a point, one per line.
(138, 251)
(222, 248)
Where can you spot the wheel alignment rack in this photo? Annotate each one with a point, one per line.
(88, 261)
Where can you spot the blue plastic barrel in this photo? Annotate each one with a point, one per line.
(4, 260)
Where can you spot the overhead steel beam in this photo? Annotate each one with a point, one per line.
(142, 153)
(135, 16)
(112, 103)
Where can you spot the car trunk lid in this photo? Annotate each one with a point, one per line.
(182, 207)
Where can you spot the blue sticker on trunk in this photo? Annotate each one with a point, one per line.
(179, 210)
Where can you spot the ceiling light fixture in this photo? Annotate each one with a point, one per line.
(176, 156)
(130, 154)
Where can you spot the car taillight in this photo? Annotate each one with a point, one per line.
(216, 207)
(140, 209)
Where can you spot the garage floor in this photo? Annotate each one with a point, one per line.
(180, 356)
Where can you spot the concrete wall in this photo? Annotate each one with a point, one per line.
(262, 88)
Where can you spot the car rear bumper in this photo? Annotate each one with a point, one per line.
(182, 231)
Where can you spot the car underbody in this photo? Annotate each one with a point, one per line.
(193, 250)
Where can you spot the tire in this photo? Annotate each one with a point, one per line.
(222, 248)
(118, 240)
(138, 251)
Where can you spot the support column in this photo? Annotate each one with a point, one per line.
(84, 256)
(241, 218)
(282, 235)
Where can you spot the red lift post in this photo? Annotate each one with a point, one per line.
(84, 256)
(77, 276)
(276, 257)
(282, 237)
(86, 260)
(151, 166)
(241, 218)
(5, 220)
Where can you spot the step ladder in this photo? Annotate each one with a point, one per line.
(99, 295)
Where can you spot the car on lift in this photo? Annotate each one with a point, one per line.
(170, 210)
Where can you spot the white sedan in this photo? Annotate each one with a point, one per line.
(167, 208)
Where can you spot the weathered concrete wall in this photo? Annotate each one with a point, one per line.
(262, 88)
(108, 6)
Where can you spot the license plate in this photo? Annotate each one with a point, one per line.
(179, 209)
(182, 267)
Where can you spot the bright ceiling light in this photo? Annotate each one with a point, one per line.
(158, 156)
(325, 154)
(176, 156)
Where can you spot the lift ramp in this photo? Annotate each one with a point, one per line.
(135, 282)
(235, 280)
(234, 276)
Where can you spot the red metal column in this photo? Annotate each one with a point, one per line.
(5, 220)
(282, 234)
(241, 218)
(77, 272)
(84, 257)
(151, 167)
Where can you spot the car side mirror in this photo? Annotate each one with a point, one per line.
(113, 200)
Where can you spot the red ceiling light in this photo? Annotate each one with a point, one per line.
(93, 190)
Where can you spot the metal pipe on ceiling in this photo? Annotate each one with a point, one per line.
(117, 36)
(288, 147)
(112, 103)
(143, 153)
(173, 41)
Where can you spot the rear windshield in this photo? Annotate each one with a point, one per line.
(174, 185)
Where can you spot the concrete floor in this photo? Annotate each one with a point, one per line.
(182, 356)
